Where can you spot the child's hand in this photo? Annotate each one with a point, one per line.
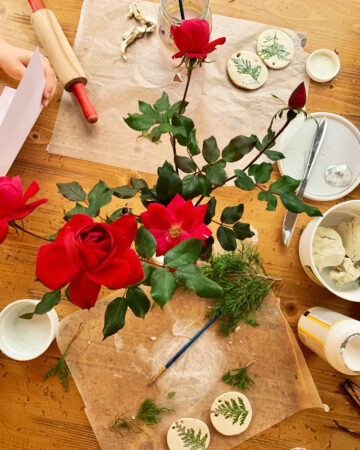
(14, 60)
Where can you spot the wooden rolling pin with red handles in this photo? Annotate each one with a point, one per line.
(62, 56)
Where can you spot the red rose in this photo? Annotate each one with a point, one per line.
(192, 39)
(89, 254)
(172, 224)
(13, 202)
(297, 99)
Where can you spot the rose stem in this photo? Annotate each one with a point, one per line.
(19, 227)
(253, 161)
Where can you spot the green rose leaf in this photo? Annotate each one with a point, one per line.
(49, 300)
(72, 191)
(232, 214)
(176, 107)
(186, 252)
(148, 196)
(185, 164)
(206, 249)
(210, 212)
(148, 271)
(163, 103)
(243, 181)
(145, 243)
(269, 198)
(125, 192)
(284, 184)
(216, 174)
(294, 204)
(182, 121)
(190, 187)
(192, 143)
(139, 122)
(210, 150)
(226, 238)
(204, 185)
(252, 169)
(114, 316)
(138, 183)
(116, 214)
(163, 286)
(169, 183)
(99, 196)
(242, 231)
(79, 209)
(148, 110)
(137, 301)
(192, 278)
(274, 155)
(238, 147)
(263, 172)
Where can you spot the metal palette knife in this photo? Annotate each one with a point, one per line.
(290, 217)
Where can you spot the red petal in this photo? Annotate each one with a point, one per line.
(156, 216)
(198, 216)
(114, 274)
(79, 220)
(53, 267)
(182, 39)
(124, 230)
(175, 203)
(4, 229)
(31, 191)
(297, 99)
(161, 242)
(83, 291)
(136, 270)
(200, 32)
(178, 55)
(201, 232)
(10, 196)
(22, 212)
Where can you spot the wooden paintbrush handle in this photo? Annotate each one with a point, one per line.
(89, 111)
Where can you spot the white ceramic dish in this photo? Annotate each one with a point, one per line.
(341, 146)
(322, 65)
(333, 216)
(23, 339)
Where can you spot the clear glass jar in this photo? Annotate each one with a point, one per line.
(169, 14)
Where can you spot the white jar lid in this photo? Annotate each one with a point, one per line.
(322, 65)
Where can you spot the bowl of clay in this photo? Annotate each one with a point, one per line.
(26, 339)
(329, 252)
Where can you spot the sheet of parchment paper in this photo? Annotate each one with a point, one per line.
(216, 105)
(112, 375)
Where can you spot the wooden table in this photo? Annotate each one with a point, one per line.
(40, 415)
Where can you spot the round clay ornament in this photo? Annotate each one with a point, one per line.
(247, 71)
(231, 413)
(187, 432)
(275, 48)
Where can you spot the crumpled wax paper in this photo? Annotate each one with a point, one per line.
(115, 86)
(112, 375)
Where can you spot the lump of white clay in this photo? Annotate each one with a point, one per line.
(327, 248)
(231, 413)
(344, 273)
(350, 235)
(275, 48)
(186, 432)
(246, 70)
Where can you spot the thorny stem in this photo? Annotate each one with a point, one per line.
(151, 263)
(19, 227)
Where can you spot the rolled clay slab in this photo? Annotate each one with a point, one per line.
(246, 70)
(231, 413)
(185, 432)
(275, 48)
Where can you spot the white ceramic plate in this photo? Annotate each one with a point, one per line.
(341, 145)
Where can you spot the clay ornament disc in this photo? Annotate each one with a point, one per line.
(275, 48)
(246, 70)
(188, 433)
(231, 413)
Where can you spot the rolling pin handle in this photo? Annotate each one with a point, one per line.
(35, 5)
(80, 93)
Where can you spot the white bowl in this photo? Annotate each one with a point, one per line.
(25, 339)
(323, 65)
(333, 216)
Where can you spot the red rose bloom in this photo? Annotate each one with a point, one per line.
(89, 254)
(297, 99)
(192, 39)
(13, 202)
(172, 224)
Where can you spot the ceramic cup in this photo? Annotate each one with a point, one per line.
(23, 339)
(322, 65)
(333, 216)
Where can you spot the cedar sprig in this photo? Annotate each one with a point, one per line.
(238, 377)
(234, 410)
(61, 370)
(190, 439)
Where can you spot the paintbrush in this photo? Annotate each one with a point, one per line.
(181, 6)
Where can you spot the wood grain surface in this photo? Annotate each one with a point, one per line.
(40, 415)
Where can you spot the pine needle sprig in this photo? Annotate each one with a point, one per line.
(148, 414)
(233, 410)
(245, 286)
(61, 370)
(190, 439)
(244, 66)
(239, 378)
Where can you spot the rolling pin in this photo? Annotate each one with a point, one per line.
(62, 56)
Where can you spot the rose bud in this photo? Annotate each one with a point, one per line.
(297, 99)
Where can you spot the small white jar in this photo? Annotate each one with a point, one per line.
(332, 336)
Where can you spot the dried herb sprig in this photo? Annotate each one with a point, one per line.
(148, 415)
(238, 377)
(244, 283)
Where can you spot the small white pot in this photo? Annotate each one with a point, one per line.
(25, 339)
(333, 216)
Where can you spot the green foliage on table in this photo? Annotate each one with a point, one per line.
(238, 377)
(61, 370)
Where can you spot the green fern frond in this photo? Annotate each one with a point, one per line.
(233, 410)
(190, 439)
(61, 370)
